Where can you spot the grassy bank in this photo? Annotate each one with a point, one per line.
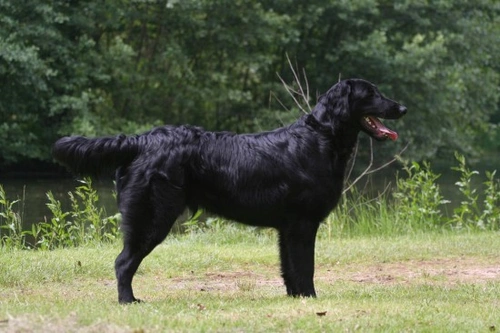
(228, 280)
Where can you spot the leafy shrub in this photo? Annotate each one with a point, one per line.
(417, 197)
(491, 211)
(471, 213)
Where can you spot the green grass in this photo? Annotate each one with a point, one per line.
(228, 281)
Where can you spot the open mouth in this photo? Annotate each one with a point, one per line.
(375, 128)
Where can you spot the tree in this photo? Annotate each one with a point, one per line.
(49, 71)
(438, 58)
(102, 67)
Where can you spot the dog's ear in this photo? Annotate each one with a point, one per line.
(338, 100)
(334, 105)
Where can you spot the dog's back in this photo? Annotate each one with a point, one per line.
(259, 179)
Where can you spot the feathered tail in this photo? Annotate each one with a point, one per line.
(95, 156)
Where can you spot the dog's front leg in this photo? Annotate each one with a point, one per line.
(296, 243)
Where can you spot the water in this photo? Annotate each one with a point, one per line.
(32, 193)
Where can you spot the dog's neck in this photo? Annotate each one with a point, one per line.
(340, 134)
(345, 142)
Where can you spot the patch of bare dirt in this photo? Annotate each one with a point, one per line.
(436, 271)
(443, 271)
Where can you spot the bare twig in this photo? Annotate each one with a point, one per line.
(307, 88)
(352, 161)
(380, 195)
(368, 170)
(301, 93)
(280, 102)
(300, 96)
(292, 93)
(396, 157)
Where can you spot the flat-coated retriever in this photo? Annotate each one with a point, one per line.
(288, 179)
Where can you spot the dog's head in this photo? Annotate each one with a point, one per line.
(359, 103)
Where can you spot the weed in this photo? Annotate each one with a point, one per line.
(418, 198)
(490, 216)
(193, 224)
(11, 233)
(89, 219)
(466, 214)
(57, 231)
(472, 213)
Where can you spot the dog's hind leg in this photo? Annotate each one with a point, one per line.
(297, 241)
(147, 217)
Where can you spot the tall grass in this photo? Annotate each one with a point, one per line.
(414, 205)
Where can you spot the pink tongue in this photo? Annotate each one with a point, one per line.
(380, 128)
(390, 134)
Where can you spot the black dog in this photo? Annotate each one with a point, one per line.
(289, 179)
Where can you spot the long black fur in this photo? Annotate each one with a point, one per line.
(288, 179)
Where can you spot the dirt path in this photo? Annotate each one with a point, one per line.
(444, 271)
(438, 271)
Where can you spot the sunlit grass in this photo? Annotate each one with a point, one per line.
(229, 281)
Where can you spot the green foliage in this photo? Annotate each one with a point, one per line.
(416, 204)
(358, 214)
(413, 205)
(470, 213)
(198, 223)
(86, 212)
(86, 222)
(45, 64)
(490, 216)
(95, 68)
(193, 224)
(11, 233)
(418, 199)
(467, 213)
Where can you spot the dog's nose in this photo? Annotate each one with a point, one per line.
(402, 109)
